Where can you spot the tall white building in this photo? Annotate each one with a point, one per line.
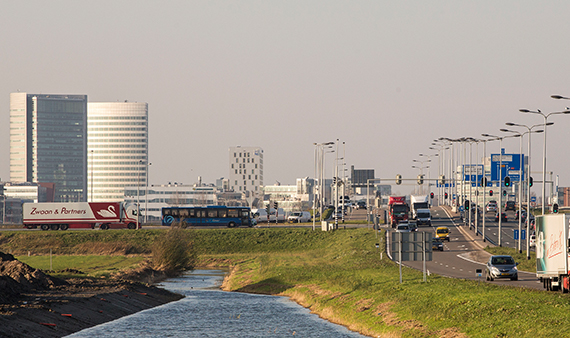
(117, 149)
(48, 142)
(246, 170)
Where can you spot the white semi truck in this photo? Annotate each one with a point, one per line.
(552, 255)
(418, 202)
(56, 216)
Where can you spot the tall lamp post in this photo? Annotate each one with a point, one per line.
(146, 195)
(138, 192)
(319, 176)
(544, 150)
(529, 130)
(521, 178)
(92, 160)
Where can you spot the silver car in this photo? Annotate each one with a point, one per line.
(501, 266)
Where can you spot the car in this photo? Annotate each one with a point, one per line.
(403, 227)
(413, 226)
(442, 233)
(532, 240)
(504, 218)
(436, 244)
(491, 206)
(501, 266)
(523, 219)
(510, 205)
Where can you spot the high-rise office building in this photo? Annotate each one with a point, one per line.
(48, 142)
(117, 149)
(246, 170)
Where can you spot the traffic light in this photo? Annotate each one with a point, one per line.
(275, 205)
(431, 195)
(504, 193)
(490, 192)
(483, 181)
(420, 179)
(555, 208)
(507, 181)
(445, 195)
(268, 207)
(398, 179)
(530, 181)
(466, 204)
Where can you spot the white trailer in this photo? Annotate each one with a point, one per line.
(63, 216)
(418, 202)
(552, 256)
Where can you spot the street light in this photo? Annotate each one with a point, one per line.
(138, 191)
(544, 151)
(500, 138)
(529, 131)
(146, 195)
(521, 178)
(319, 170)
(92, 160)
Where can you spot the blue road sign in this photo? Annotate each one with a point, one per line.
(511, 166)
(516, 234)
(523, 234)
(533, 199)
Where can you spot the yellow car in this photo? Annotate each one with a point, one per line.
(442, 233)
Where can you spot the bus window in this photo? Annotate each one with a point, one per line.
(201, 213)
(191, 212)
(184, 213)
(222, 213)
(233, 213)
(212, 213)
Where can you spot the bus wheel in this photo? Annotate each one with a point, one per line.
(104, 227)
(231, 224)
(44, 226)
(132, 226)
(64, 226)
(54, 227)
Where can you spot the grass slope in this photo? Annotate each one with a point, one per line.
(340, 276)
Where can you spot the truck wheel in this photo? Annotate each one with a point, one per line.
(132, 226)
(30, 226)
(104, 227)
(44, 226)
(54, 227)
(64, 227)
(231, 224)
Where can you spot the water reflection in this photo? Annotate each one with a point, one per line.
(208, 312)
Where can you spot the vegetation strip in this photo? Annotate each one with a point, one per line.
(340, 276)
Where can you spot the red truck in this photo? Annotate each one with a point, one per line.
(63, 216)
(398, 209)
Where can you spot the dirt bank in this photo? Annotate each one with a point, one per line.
(33, 304)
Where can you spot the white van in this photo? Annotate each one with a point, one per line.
(261, 215)
(423, 217)
(299, 217)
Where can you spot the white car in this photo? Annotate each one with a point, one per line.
(299, 217)
(532, 240)
(403, 227)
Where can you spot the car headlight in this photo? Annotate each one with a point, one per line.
(494, 270)
(514, 269)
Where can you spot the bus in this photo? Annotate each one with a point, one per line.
(208, 215)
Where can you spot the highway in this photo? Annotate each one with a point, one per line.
(464, 253)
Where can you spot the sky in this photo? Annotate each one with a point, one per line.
(384, 77)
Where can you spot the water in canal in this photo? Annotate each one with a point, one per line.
(207, 311)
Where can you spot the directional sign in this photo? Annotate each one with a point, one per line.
(511, 166)
(516, 234)
(523, 234)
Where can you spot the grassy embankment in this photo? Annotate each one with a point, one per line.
(340, 276)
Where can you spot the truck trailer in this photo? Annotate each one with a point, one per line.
(418, 202)
(398, 209)
(63, 216)
(552, 256)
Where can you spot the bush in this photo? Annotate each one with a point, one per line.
(173, 252)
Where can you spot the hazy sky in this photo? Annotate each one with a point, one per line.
(386, 77)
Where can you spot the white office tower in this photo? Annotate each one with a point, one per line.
(48, 142)
(246, 170)
(117, 149)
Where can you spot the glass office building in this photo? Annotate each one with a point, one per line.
(117, 149)
(48, 142)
